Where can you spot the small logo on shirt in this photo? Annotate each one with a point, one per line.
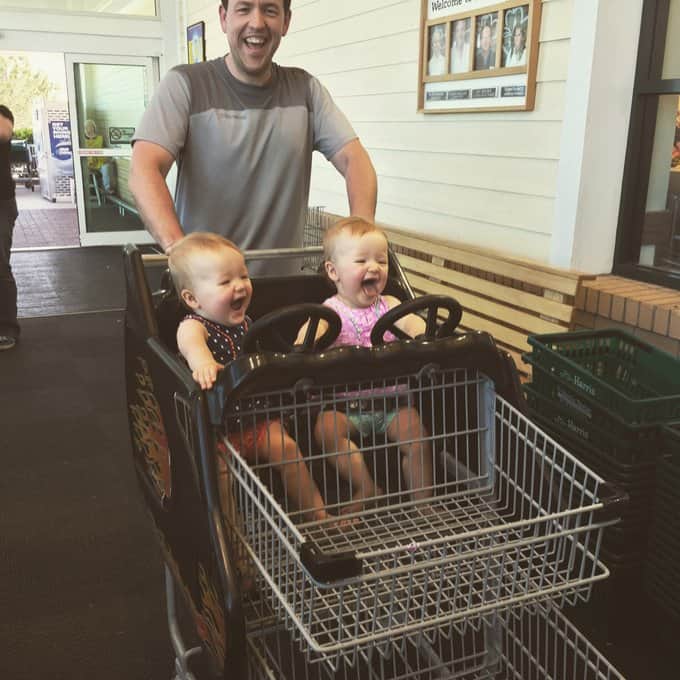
(240, 115)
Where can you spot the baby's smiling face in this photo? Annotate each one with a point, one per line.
(359, 267)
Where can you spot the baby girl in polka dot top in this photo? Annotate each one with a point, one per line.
(211, 278)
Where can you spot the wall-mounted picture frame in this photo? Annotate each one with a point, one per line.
(196, 42)
(480, 56)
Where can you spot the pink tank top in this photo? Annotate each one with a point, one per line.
(357, 324)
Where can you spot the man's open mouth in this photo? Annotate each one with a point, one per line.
(255, 42)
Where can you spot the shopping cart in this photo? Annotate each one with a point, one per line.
(430, 582)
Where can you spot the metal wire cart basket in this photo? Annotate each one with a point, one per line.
(477, 527)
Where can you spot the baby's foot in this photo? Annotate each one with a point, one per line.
(362, 499)
(319, 515)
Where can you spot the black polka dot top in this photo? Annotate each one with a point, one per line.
(223, 341)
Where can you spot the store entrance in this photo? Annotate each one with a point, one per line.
(75, 115)
(34, 88)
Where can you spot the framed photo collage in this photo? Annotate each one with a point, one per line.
(478, 55)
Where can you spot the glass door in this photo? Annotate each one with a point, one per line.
(108, 96)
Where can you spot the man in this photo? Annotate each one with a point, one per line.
(485, 57)
(9, 327)
(242, 130)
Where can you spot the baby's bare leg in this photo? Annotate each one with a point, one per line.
(300, 488)
(332, 432)
(410, 435)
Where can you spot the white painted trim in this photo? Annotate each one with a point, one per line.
(65, 42)
(84, 23)
(94, 34)
(584, 23)
(170, 53)
(603, 58)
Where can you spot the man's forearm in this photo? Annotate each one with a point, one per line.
(362, 184)
(362, 194)
(156, 208)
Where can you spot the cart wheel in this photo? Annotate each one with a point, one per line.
(273, 330)
(433, 330)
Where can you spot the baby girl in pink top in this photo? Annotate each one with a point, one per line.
(356, 261)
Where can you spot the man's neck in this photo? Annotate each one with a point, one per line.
(258, 82)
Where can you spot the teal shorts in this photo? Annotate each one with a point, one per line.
(371, 422)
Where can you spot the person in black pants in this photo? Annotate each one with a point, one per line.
(9, 327)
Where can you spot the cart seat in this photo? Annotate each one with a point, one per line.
(269, 294)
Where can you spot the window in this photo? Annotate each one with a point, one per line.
(145, 8)
(648, 241)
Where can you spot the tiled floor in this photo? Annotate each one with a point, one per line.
(42, 223)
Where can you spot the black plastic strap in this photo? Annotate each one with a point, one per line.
(328, 568)
(613, 499)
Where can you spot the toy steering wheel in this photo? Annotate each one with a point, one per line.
(268, 331)
(433, 330)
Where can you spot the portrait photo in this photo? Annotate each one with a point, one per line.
(486, 35)
(460, 45)
(515, 25)
(436, 60)
(196, 42)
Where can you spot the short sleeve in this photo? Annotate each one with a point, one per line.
(332, 130)
(166, 119)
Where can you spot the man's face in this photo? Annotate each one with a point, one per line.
(254, 29)
(485, 40)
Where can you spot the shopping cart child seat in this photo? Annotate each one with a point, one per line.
(269, 293)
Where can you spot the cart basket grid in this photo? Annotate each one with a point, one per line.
(505, 517)
(530, 643)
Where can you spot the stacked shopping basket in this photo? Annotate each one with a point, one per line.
(662, 569)
(607, 396)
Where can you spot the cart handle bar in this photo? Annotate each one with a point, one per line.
(161, 259)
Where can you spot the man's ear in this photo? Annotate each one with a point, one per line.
(188, 299)
(330, 270)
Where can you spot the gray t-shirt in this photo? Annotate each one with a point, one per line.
(244, 152)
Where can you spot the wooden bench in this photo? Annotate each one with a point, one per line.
(508, 297)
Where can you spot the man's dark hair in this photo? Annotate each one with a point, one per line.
(286, 5)
(6, 113)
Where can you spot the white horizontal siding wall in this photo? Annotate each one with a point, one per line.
(488, 179)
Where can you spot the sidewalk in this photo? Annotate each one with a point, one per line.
(42, 223)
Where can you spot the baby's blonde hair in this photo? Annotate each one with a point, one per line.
(354, 226)
(183, 260)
